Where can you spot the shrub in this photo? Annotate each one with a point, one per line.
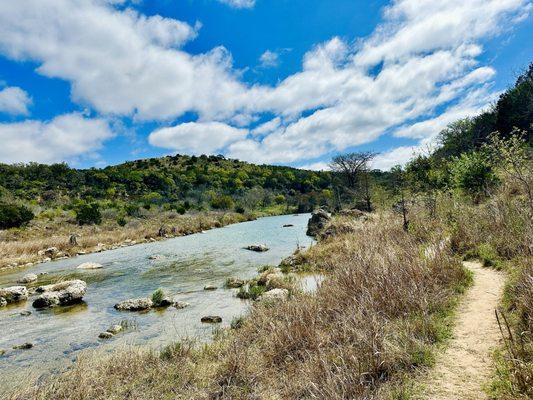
(224, 202)
(132, 210)
(14, 216)
(88, 213)
(279, 199)
(472, 174)
(157, 296)
(121, 221)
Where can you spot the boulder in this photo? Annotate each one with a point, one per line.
(28, 278)
(288, 225)
(49, 252)
(14, 294)
(89, 265)
(274, 295)
(25, 313)
(234, 283)
(270, 274)
(114, 329)
(23, 346)
(181, 304)
(3, 302)
(211, 319)
(2, 352)
(210, 287)
(257, 248)
(106, 335)
(140, 304)
(62, 293)
(318, 221)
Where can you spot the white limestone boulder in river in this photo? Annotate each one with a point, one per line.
(60, 294)
(14, 294)
(28, 278)
(89, 265)
(143, 303)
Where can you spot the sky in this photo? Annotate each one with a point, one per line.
(286, 82)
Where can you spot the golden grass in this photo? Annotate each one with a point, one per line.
(374, 320)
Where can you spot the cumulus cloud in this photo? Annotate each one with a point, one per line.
(66, 137)
(197, 138)
(14, 101)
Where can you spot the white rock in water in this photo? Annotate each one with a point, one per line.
(14, 293)
(62, 293)
(114, 329)
(135, 304)
(89, 265)
(28, 278)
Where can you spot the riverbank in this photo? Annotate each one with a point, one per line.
(44, 241)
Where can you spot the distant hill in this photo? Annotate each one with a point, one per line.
(179, 181)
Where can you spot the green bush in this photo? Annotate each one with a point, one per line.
(14, 216)
(121, 221)
(472, 174)
(222, 202)
(88, 213)
(157, 296)
(132, 210)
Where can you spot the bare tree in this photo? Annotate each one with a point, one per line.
(354, 168)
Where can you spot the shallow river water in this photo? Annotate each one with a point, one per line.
(186, 264)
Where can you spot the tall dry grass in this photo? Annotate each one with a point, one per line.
(374, 320)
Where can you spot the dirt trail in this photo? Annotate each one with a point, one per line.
(466, 364)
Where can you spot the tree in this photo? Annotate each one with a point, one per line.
(14, 216)
(354, 169)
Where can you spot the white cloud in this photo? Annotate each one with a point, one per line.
(267, 127)
(316, 166)
(15, 101)
(239, 3)
(398, 156)
(197, 138)
(66, 137)
(269, 59)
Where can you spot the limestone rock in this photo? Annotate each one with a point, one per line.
(274, 295)
(28, 278)
(211, 319)
(14, 294)
(62, 293)
(257, 248)
(140, 304)
(89, 265)
(317, 222)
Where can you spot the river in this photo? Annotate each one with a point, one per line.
(183, 267)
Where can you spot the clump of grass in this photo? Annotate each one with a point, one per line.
(158, 296)
(252, 291)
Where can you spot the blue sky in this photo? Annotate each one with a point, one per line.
(292, 82)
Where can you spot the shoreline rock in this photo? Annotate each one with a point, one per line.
(318, 221)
